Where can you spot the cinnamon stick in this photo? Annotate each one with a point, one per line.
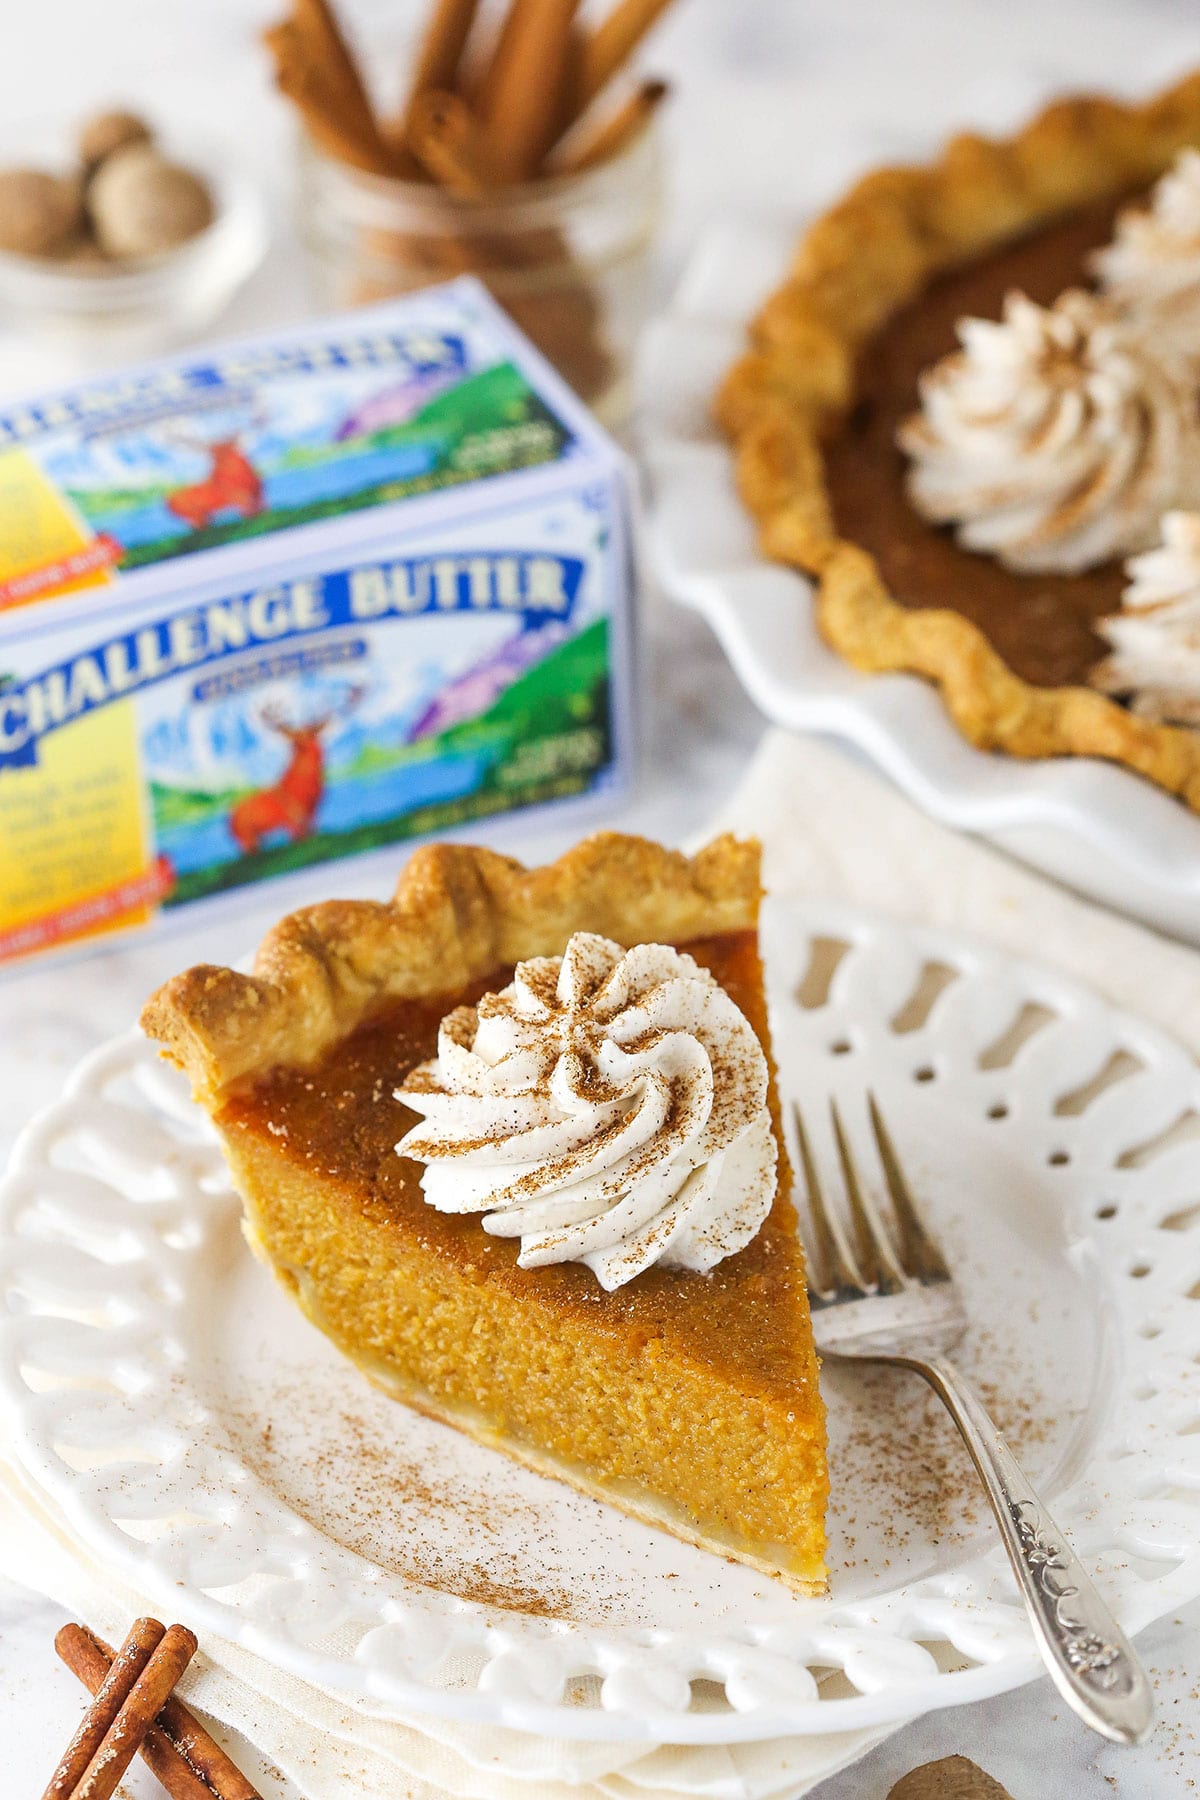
(601, 143)
(122, 1671)
(448, 140)
(123, 1739)
(479, 82)
(347, 137)
(189, 1763)
(611, 45)
(328, 51)
(525, 98)
(441, 49)
(315, 68)
(202, 1753)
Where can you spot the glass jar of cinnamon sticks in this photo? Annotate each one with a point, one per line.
(567, 258)
(510, 161)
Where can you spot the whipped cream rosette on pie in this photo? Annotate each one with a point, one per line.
(1152, 266)
(608, 1107)
(1155, 638)
(1054, 438)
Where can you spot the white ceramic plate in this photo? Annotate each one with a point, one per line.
(1091, 824)
(208, 1445)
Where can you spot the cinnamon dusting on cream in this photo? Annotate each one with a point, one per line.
(608, 1107)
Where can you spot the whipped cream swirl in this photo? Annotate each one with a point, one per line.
(1054, 439)
(1155, 638)
(1152, 266)
(608, 1107)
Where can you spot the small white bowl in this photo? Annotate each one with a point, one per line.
(137, 308)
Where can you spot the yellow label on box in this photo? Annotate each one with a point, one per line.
(74, 833)
(45, 548)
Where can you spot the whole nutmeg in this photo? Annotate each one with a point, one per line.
(38, 212)
(951, 1778)
(142, 205)
(107, 132)
(82, 255)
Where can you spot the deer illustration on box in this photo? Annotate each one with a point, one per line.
(291, 803)
(232, 483)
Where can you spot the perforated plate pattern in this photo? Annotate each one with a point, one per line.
(1052, 1139)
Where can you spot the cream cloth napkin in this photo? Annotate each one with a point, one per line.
(831, 831)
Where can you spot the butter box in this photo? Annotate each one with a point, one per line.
(295, 599)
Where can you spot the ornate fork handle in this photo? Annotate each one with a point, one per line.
(1088, 1655)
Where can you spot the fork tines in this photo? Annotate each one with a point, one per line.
(872, 1257)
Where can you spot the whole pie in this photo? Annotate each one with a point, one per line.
(972, 401)
(512, 1142)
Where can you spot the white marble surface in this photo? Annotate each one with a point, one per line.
(754, 74)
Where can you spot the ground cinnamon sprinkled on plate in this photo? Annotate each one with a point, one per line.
(356, 1480)
(901, 1479)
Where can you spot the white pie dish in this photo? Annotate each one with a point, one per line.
(1097, 827)
(208, 1445)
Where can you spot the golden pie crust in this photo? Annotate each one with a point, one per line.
(459, 912)
(689, 1400)
(857, 265)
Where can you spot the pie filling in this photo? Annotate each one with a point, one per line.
(1042, 625)
(688, 1399)
(804, 1571)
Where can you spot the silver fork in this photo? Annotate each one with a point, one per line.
(885, 1297)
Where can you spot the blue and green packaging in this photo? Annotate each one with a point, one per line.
(298, 598)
